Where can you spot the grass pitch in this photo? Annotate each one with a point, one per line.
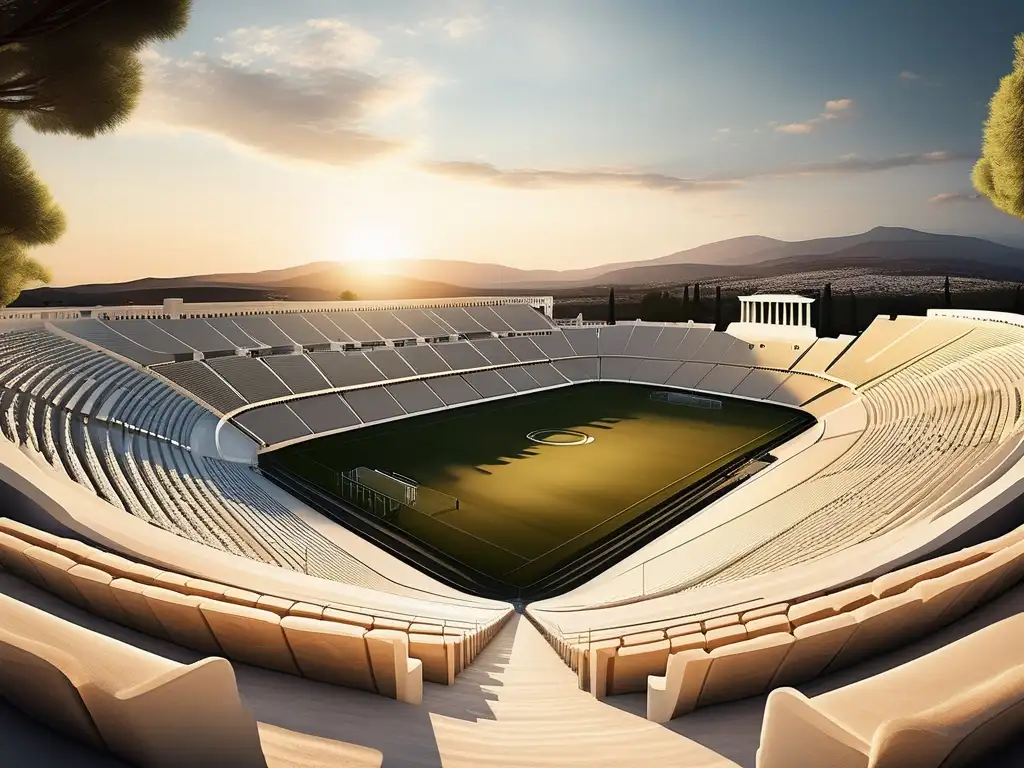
(526, 507)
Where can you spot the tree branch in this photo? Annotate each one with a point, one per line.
(47, 22)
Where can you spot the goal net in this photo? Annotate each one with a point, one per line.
(682, 398)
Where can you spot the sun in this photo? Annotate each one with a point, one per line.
(374, 248)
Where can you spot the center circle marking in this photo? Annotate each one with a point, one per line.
(561, 437)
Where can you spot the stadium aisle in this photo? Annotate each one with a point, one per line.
(533, 713)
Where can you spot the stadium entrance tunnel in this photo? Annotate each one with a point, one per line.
(487, 499)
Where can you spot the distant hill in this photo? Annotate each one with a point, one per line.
(884, 250)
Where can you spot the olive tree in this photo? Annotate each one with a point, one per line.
(999, 174)
(71, 67)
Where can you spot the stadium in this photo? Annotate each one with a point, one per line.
(459, 532)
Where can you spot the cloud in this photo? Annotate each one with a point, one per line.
(834, 110)
(795, 128)
(838, 105)
(855, 164)
(955, 197)
(463, 27)
(549, 179)
(303, 91)
(908, 77)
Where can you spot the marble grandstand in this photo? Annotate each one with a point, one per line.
(163, 604)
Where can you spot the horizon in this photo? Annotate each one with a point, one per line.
(530, 136)
(380, 269)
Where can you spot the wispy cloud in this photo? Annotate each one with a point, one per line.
(855, 164)
(835, 109)
(548, 179)
(464, 26)
(302, 91)
(908, 76)
(955, 197)
(795, 128)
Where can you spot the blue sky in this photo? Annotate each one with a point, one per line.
(535, 133)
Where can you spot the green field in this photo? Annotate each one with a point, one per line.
(526, 507)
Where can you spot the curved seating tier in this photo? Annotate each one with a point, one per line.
(125, 436)
(934, 428)
(725, 654)
(385, 652)
(950, 707)
(148, 710)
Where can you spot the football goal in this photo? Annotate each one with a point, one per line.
(682, 398)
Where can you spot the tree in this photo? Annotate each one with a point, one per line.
(825, 311)
(686, 302)
(1018, 303)
(66, 66)
(999, 174)
(948, 300)
(853, 313)
(718, 307)
(348, 296)
(611, 306)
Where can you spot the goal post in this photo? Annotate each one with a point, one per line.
(684, 398)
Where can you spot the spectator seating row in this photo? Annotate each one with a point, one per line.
(151, 342)
(150, 711)
(703, 659)
(390, 654)
(944, 425)
(951, 707)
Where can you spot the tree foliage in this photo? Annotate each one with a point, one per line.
(999, 174)
(348, 296)
(72, 67)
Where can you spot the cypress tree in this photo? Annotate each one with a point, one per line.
(1018, 305)
(696, 294)
(686, 302)
(718, 307)
(948, 298)
(853, 312)
(825, 315)
(611, 306)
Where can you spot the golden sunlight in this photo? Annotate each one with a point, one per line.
(374, 248)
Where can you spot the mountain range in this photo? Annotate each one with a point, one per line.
(885, 250)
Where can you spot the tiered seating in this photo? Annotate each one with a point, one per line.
(250, 378)
(298, 328)
(346, 370)
(391, 364)
(387, 326)
(887, 344)
(423, 359)
(133, 451)
(423, 323)
(414, 396)
(197, 334)
(227, 328)
(104, 336)
(264, 330)
(384, 652)
(952, 706)
(297, 372)
(522, 318)
(931, 433)
(274, 423)
(495, 351)
(108, 695)
(203, 382)
(822, 354)
(689, 661)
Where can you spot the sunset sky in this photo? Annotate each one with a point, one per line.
(534, 133)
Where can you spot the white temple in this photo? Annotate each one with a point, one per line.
(777, 315)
